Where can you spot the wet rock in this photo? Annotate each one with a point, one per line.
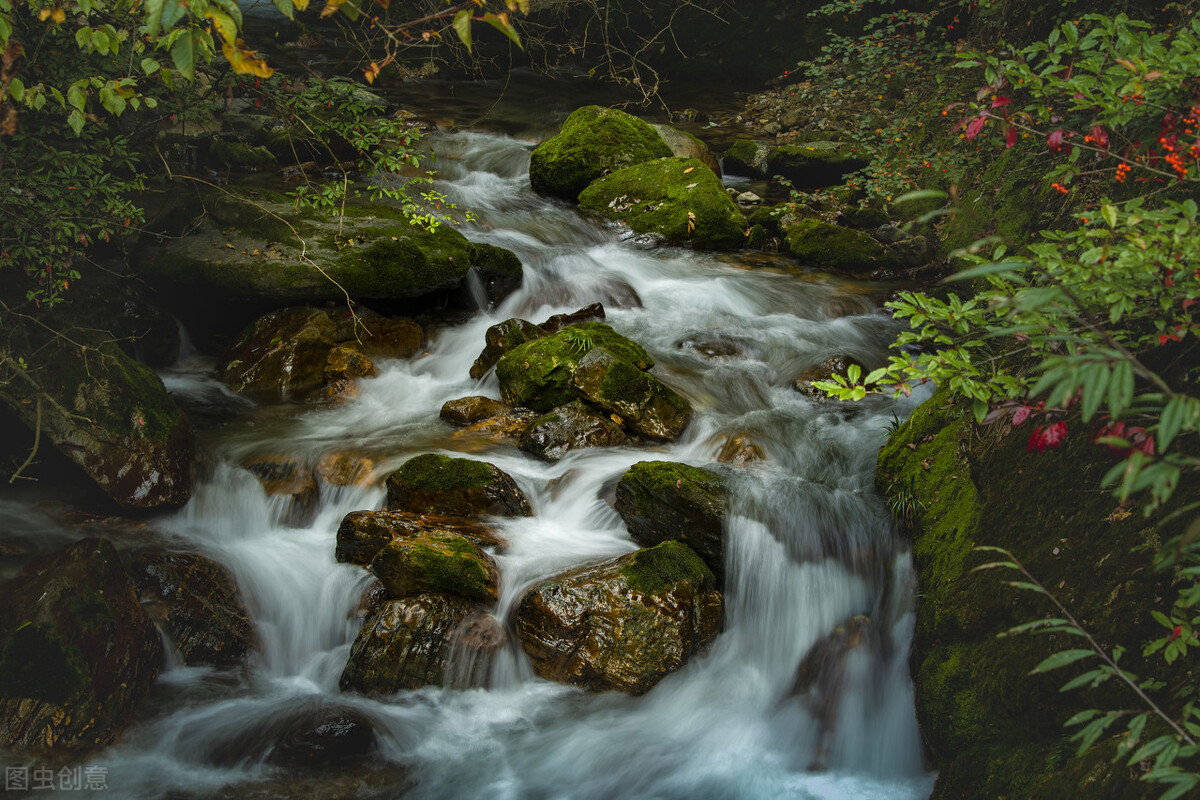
(433, 562)
(345, 469)
(348, 363)
(677, 199)
(834, 365)
(590, 313)
(281, 355)
(684, 145)
(915, 251)
(623, 624)
(499, 270)
(236, 155)
(504, 430)
(317, 737)
(499, 339)
(747, 199)
(824, 245)
(372, 600)
(645, 404)
(469, 410)
(592, 140)
(740, 451)
(867, 218)
(537, 375)
(385, 337)
(663, 501)
(459, 486)
(567, 428)
(887, 233)
(711, 346)
(285, 477)
(104, 412)
(814, 165)
(77, 651)
(427, 640)
(362, 534)
(197, 603)
(746, 157)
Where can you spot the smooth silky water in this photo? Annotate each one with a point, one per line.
(810, 547)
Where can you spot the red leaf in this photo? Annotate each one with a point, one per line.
(1099, 137)
(1021, 415)
(1011, 138)
(1000, 101)
(975, 126)
(1055, 140)
(1049, 436)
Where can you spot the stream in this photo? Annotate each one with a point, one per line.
(811, 545)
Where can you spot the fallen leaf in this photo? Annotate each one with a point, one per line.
(689, 169)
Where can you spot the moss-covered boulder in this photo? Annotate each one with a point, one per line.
(822, 244)
(570, 427)
(499, 339)
(592, 141)
(746, 157)
(643, 402)
(469, 410)
(427, 640)
(663, 501)
(685, 145)
(437, 562)
(362, 534)
(346, 362)
(499, 271)
(537, 374)
(232, 154)
(678, 199)
(255, 247)
(103, 411)
(992, 729)
(77, 651)
(815, 165)
(196, 602)
(623, 624)
(461, 486)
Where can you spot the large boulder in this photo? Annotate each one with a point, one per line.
(592, 140)
(815, 165)
(196, 602)
(570, 427)
(823, 244)
(663, 501)
(427, 640)
(362, 534)
(103, 411)
(623, 624)
(460, 486)
(684, 145)
(646, 404)
(434, 562)
(746, 157)
(679, 199)
(468, 410)
(77, 651)
(537, 374)
(260, 248)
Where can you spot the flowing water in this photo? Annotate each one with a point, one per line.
(811, 546)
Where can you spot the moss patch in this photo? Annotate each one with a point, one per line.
(814, 165)
(824, 245)
(657, 570)
(437, 473)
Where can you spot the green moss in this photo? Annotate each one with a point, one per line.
(245, 216)
(677, 198)
(437, 473)
(816, 164)
(821, 244)
(660, 569)
(745, 157)
(769, 217)
(36, 663)
(236, 154)
(592, 140)
(694, 486)
(451, 564)
(758, 237)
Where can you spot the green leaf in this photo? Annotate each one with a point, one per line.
(1061, 659)
(16, 89)
(76, 96)
(184, 56)
(75, 120)
(1171, 421)
(153, 9)
(150, 66)
(1110, 215)
(1009, 266)
(1095, 387)
(500, 22)
(285, 7)
(462, 26)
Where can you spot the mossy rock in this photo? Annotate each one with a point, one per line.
(240, 156)
(623, 624)
(362, 534)
(662, 501)
(461, 486)
(770, 217)
(499, 339)
(437, 562)
(815, 165)
(499, 270)
(865, 218)
(685, 145)
(747, 157)
(822, 244)
(552, 436)
(644, 403)
(592, 140)
(537, 374)
(758, 238)
(678, 199)
(468, 410)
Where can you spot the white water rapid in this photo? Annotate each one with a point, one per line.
(811, 546)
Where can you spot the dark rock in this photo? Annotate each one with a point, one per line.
(623, 624)
(499, 339)
(460, 486)
(197, 603)
(282, 355)
(385, 337)
(915, 251)
(746, 157)
(77, 651)
(684, 145)
(824, 245)
(437, 562)
(711, 346)
(644, 403)
(867, 218)
(570, 427)
(498, 269)
(283, 476)
(834, 365)
(814, 165)
(363, 534)
(427, 640)
(469, 410)
(663, 501)
(592, 313)
(309, 739)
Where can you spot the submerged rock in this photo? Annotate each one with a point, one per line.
(437, 562)
(362, 534)
(591, 141)
(345, 469)
(740, 451)
(77, 651)
(285, 477)
(312, 738)
(461, 486)
(197, 603)
(623, 624)
(570, 427)
(427, 640)
(826, 370)
(646, 404)
(678, 199)
(662, 501)
(507, 429)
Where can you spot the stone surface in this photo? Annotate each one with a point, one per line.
(746, 157)
(589, 313)
(468, 410)
(281, 355)
(662, 501)
(740, 451)
(623, 624)
(315, 737)
(570, 427)
(362, 534)
(196, 602)
(345, 469)
(506, 430)
(427, 640)
(345, 362)
(499, 339)
(821, 244)
(77, 651)
(460, 486)
(678, 199)
(684, 145)
(645, 404)
(437, 562)
(814, 165)
(286, 477)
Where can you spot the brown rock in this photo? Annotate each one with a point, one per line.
(740, 451)
(592, 313)
(469, 410)
(834, 365)
(363, 534)
(456, 486)
(389, 337)
(345, 469)
(282, 355)
(346, 362)
(647, 405)
(507, 429)
(571, 427)
(499, 339)
(437, 562)
(284, 476)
